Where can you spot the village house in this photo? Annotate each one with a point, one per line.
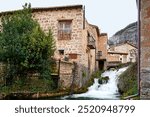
(121, 53)
(101, 56)
(76, 41)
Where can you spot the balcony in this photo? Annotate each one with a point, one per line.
(91, 42)
(98, 55)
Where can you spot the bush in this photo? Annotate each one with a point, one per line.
(127, 83)
(24, 47)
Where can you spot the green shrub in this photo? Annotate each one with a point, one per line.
(127, 83)
(24, 46)
(83, 74)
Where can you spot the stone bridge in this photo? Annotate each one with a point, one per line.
(113, 64)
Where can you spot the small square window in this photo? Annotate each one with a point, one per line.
(61, 52)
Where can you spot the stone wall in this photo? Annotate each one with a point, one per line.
(71, 75)
(102, 45)
(66, 75)
(49, 19)
(113, 58)
(145, 49)
(95, 33)
(125, 48)
(76, 45)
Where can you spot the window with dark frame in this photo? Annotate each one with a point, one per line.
(61, 52)
(64, 30)
(100, 53)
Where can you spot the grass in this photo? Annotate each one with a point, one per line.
(127, 83)
(29, 85)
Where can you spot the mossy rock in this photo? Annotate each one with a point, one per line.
(100, 81)
(127, 82)
(103, 80)
(113, 69)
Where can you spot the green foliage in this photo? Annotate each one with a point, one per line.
(127, 82)
(123, 65)
(24, 47)
(83, 74)
(32, 85)
(97, 74)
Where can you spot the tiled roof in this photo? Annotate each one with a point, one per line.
(46, 8)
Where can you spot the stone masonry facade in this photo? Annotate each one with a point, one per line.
(101, 56)
(145, 49)
(124, 53)
(77, 48)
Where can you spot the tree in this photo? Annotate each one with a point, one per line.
(24, 46)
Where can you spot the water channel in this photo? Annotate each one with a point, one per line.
(107, 91)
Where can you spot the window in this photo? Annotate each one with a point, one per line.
(100, 53)
(64, 30)
(61, 52)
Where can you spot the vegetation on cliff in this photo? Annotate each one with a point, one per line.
(127, 82)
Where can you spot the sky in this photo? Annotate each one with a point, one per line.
(109, 15)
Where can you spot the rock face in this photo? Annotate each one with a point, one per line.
(129, 33)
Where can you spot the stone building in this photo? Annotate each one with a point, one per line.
(145, 49)
(120, 57)
(76, 41)
(122, 53)
(101, 56)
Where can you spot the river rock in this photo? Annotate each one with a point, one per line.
(103, 80)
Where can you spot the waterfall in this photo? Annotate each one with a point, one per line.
(107, 91)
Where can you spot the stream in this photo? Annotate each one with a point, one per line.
(107, 91)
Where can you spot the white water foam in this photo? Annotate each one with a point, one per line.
(104, 91)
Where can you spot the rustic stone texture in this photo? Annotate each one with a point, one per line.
(145, 93)
(102, 46)
(113, 58)
(123, 49)
(145, 49)
(49, 19)
(77, 44)
(65, 74)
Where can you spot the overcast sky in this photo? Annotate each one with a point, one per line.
(109, 15)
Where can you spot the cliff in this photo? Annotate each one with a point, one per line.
(129, 33)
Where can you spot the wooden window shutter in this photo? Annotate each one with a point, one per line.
(73, 56)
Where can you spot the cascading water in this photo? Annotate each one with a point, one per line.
(103, 91)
